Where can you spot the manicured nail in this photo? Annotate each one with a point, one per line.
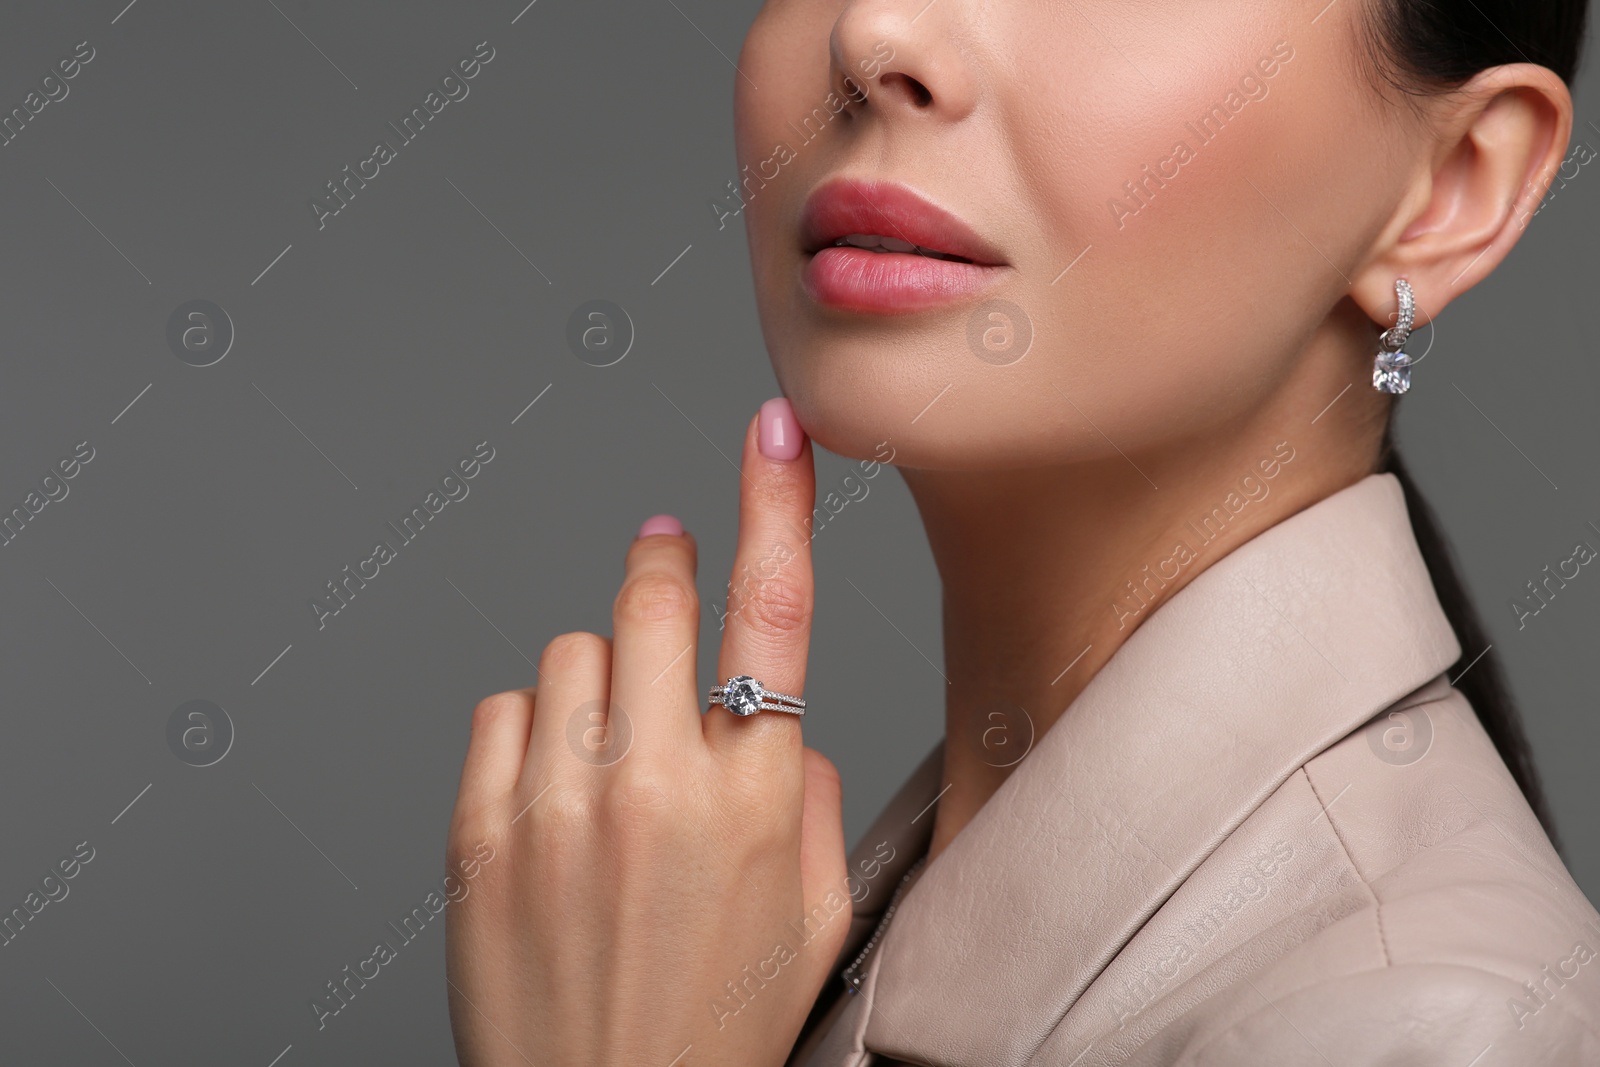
(778, 435)
(661, 524)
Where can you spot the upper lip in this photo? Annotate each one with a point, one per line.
(844, 206)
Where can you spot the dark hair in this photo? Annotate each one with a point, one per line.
(1477, 673)
(1425, 47)
(1431, 45)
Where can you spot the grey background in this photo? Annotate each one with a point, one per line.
(374, 354)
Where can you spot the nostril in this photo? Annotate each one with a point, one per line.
(914, 89)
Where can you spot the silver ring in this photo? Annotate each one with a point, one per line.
(743, 695)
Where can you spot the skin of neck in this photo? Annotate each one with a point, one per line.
(1035, 563)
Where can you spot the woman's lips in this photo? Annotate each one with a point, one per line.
(949, 261)
(887, 283)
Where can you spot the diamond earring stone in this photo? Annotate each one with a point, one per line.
(1391, 370)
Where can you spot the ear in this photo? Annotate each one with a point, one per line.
(1500, 140)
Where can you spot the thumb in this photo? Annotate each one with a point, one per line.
(824, 867)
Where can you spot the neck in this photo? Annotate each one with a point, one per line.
(1047, 571)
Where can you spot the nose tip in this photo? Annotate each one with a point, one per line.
(898, 57)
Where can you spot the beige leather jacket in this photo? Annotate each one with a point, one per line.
(1268, 832)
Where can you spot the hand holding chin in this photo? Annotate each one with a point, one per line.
(670, 886)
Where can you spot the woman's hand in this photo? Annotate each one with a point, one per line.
(675, 895)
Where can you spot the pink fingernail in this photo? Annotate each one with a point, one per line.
(778, 435)
(661, 524)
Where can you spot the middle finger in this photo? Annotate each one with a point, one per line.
(655, 623)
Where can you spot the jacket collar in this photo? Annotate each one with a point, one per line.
(1269, 656)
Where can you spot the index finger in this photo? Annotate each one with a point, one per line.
(767, 631)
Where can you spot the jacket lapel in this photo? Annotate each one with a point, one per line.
(1279, 649)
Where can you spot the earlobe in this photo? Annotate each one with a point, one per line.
(1501, 138)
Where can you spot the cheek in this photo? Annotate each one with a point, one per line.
(782, 73)
(1176, 314)
(1215, 230)
(786, 55)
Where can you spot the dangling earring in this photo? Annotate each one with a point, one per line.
(1391, 371)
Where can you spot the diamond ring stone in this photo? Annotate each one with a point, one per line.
(743, 695)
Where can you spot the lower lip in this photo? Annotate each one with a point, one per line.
(891, 283)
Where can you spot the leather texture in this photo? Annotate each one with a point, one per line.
(1268, 832)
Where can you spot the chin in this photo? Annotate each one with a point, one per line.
(873, 417)
(846, 421)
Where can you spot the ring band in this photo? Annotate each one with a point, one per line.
(743, 695)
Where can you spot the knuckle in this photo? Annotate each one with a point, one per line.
(574, 651)
(654, 597)
(673, 551)
(637, 798)
(766, 791)
(492, 709)
(777, 607)
(762, 832)
(469, 832)
(783, 492)
(566, 811)
(647, 813)
(820, 772)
